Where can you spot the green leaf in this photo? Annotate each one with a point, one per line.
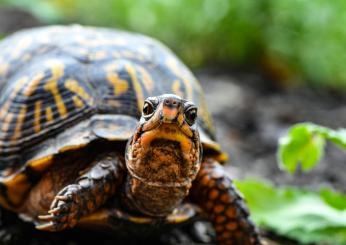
(335, 199)
(299, 214)
(337, 136)
(303, 145)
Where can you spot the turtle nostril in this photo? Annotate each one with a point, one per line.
(171, 102)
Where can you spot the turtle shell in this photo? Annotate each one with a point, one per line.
(62, 87)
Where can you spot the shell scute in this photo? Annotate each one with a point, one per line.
(41, 102)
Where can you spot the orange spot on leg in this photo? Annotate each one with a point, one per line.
(214, 194)
(226, 198)
(219, 208)
(209, 205)
(220, 219)
(231, 226)
(219, 228)
(231, 212)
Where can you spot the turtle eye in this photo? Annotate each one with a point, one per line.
(191, 115)
(148, 108)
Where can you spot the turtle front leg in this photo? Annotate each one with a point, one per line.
(89, 191)
(215, 193)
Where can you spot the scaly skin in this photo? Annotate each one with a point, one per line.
(85, 195)
(214, 192)
(163, 166)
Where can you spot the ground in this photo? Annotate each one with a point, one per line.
(250, 115)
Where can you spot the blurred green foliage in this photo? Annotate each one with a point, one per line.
(289, 39)
(304, 145)
(306, 216)
(201, 32)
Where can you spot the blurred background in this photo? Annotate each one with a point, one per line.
(292, 40)
(264, 65)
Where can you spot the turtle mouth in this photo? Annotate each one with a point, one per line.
(175, 125)
(159, 120)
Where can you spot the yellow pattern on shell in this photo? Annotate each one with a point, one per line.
(120, 85)
(140, 220)
(128, 54)
(136, 85)
(146, 78)
(72, 147)
(7, 121)
(19, 85)
(176, 88)
(19, 48)
(78, 103)
(19, 123)
(49, 114)
(21, 184)
(74, 87)
(51, 85)
(4, 108)
(41, 164)
(99, 55)
(172, 64)
(4, 112)
(37, 116)
(33, 84)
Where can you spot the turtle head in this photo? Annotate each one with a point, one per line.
(165, 151)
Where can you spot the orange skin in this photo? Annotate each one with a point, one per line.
(215, 193)
(163, 166)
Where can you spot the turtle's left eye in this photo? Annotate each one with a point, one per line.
(148, 108)
(191, 115)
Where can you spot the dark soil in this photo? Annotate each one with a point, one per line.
(250, 116)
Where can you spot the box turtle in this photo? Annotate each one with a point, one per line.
(99, 128)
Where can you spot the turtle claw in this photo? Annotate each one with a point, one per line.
(63, 210)
(54, 211)
(46, 217)
(49, 226)
(62, 198)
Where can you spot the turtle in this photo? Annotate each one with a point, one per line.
(104, 128)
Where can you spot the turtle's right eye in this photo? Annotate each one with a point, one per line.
(148, 108)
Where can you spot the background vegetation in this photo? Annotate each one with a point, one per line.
(307, 216)
(291, 40)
